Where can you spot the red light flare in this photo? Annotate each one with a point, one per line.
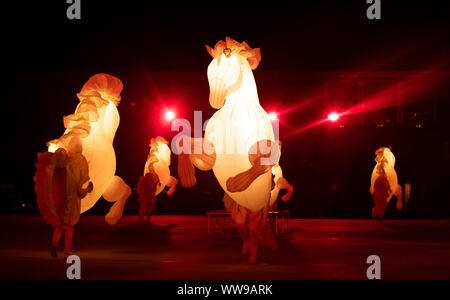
(333, 117)
(300, 130)
(412, 83)
(299, 105)
(169, 115)
(372, 67)
(276, 115)
(274, 118)
(160, 100)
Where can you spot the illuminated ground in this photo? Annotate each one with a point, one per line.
(178, 247)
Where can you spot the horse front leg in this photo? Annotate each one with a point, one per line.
(171, 184)
(283, 184)
(263, 155)
(118, 191)
(201, 154)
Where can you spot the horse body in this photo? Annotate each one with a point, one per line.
(233, 129)
(159, 160)
(239, 144)
(99, 152)
(95, 123)
(384, 182)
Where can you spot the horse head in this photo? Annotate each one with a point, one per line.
(225, 72)
(106, 87)
(385, 157)
(159, 151)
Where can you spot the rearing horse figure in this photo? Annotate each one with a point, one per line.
(239, 144)
(95, 122)
(384, 182)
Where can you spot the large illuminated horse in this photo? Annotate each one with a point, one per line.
(384, 182)
(239, 144)
(95, 122)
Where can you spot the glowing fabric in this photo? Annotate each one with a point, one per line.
(239, 123)
(95, 122)
(59, 179)
(384, 182)
(159, 160)
(156, 176)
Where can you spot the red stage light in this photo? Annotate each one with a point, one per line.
(170, 115)
(273, 116)
(333, 117)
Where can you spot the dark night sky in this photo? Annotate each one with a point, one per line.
(311, 35)
(158, 52)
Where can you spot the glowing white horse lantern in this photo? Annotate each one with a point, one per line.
(384, 182)
(159, 160)
(156, 177)
(95, 122)
(239, 142)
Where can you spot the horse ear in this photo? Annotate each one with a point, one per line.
(210, 50)
(255, 58)
(214, 53)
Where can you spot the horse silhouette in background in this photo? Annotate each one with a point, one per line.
(384, 182)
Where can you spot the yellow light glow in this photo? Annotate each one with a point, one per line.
(52, 147)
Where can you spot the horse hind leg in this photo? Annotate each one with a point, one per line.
(171, 184)
(118, 191)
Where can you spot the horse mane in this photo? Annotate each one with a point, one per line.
(154, 143)
(99, 90)
(242, 50)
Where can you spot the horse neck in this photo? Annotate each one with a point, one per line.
(108, 121)
(380, 168)
(247, 91)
